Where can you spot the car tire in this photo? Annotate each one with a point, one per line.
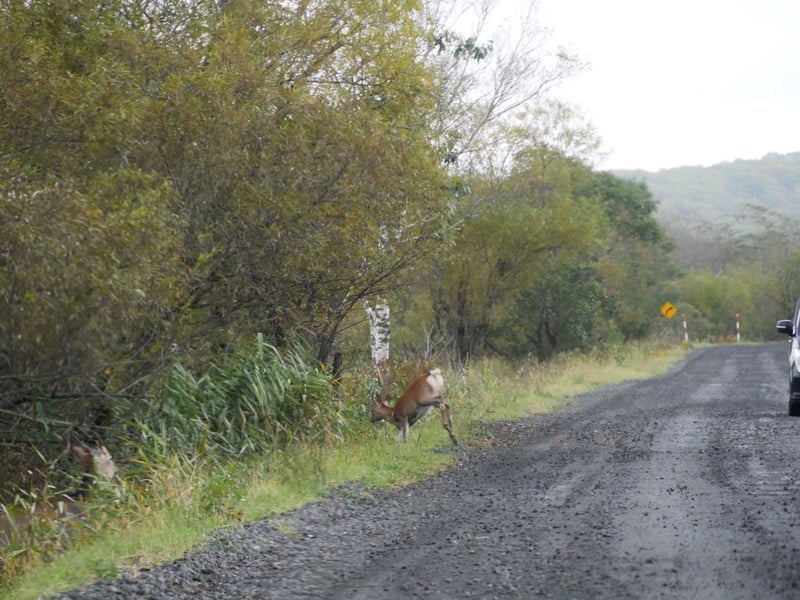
(794, 406)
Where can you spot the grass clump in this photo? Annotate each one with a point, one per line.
(256, 402)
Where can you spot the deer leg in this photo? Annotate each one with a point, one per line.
(402, 434)
(447, 422)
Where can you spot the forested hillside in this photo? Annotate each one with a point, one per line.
(708, 194)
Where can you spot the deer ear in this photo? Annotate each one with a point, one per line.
(102, 463)
(83, 455)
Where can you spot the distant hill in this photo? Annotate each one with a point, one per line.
(710, 194)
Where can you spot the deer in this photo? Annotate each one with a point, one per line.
(96, 464)
(423, 393)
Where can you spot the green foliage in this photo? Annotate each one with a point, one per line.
(178, 177)
(253, 118)
(711, 303)
(554, 257)
(629, 205)
(755, 275)
(563, 310)
(257, 401)
(81, 304)
(635, 268)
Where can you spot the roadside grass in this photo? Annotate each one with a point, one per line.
(188, 502)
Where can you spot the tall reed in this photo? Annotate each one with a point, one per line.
(258, 401)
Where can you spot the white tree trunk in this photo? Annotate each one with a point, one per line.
(379, 331)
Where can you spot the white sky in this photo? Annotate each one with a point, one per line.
(685, 82)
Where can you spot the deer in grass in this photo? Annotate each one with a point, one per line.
(423, 393)
(96, 464)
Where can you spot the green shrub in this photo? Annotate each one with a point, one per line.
(257, 401)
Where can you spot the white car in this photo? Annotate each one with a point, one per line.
(790, 327)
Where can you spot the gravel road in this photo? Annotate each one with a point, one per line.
(681, 486)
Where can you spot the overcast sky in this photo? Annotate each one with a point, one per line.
(685, 82)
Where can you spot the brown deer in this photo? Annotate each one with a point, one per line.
(95, 461)
(96, 464)
(423, 393)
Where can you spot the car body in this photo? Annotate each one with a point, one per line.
(791, 327)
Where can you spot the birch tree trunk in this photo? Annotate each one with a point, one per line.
(379, 337)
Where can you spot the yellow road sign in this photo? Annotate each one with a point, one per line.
(668, 310)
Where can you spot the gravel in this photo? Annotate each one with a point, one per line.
(681, 486)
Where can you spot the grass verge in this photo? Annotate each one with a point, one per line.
(197, 501)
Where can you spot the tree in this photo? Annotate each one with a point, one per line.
(755, 275)
(553, 255)
(491, 295)
(80, 228)
(254, 115)
(179, 176)
(482, 82)
(477, 84)
(636, 267)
